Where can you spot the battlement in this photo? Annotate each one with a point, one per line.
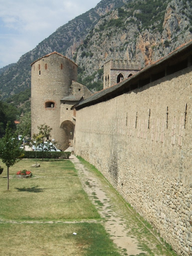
(122, 65)
(117, 70)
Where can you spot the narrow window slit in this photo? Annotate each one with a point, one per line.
(167, 118)
(136, 119)
(185, 119)
(149, 117)
(126, 119)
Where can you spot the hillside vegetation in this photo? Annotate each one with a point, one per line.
(138, 31)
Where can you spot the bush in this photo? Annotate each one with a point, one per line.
(46, 154)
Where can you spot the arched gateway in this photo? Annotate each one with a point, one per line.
(68, 128)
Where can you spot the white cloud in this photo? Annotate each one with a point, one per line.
(25, 23)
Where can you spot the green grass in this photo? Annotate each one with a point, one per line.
(39, 215)
(53, 193)
(101, 245)
(55, 239)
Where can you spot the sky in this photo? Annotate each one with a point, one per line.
(25, 23)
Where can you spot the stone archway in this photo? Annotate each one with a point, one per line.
(120, 78)
(68, 128)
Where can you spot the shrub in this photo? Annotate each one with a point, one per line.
(46, 154)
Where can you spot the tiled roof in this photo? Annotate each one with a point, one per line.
(72, 98)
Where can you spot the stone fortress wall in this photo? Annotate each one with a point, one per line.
(138, 134)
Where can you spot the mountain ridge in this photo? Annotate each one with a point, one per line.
(138, 31)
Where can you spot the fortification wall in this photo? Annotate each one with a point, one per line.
(51, 78)
(141, 142)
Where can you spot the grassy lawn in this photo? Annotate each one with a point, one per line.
(55, 239)
(53, 193)
(39, 215)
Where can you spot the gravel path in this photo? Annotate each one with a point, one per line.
(113, 223)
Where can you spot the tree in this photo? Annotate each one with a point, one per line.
(45, 131)
(24, 127)
(8, 113)
(10, 150)
(2, 120)
(42, 139)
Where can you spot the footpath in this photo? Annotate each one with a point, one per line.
(130, 234)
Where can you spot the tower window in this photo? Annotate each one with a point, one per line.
(120, 78)
(61, 66)
(49, 104)
(45, 66)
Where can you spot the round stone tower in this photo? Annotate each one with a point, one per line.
(51, 78)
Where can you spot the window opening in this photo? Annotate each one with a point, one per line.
(50, 104)
(167, 118)
(185, 119)
(45, 66)
(120, 78)
(39, 72)
(136, 119)
(61, 66)
(149, 117)
(126, 119)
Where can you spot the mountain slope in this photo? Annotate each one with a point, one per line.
(64, 40)
(140, 31)
(135, 30)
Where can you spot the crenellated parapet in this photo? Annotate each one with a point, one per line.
(116, 71)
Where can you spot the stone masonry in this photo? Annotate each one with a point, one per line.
(138, 134)
(54, 91)
(118, 70)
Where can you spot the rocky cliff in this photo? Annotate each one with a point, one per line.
(138, 31)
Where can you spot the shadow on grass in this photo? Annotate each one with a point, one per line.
(34, 189)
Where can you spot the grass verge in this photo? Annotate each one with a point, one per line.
(49, 214)
(90, 239)
(53, 193)
(149, 240)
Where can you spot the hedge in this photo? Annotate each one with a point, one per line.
(46, 154)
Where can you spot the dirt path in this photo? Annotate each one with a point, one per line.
(113, 222)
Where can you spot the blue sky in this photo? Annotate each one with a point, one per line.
(25, 23)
